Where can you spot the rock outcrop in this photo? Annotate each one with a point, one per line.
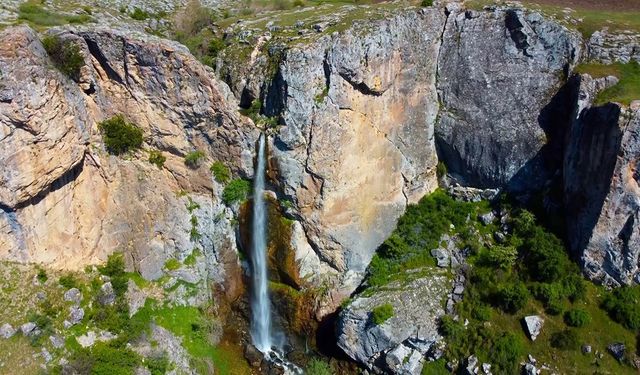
(356, 145)
(497, 72)
(601, 187)
(411, 332)
(65, 202)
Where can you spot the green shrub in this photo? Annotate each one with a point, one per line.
(158, 365)
(577, 318)
(481, 313)
(254, 110)
(505, 354)
(220, 172)
(215, 46)
(503, 257)
(382, 313)
(298, 3)
(623, 306)
(438, 367)
(512, 297)
(115, 269)
(65, 55)
(554, 306)
(426, 3)
(172, 264)
(103, 359)
(318, 367)
(34, 13)
(236, 190)
(42, 276)
(139, 14)
(193, 159)
(450, 327)
(565, 340)
(120, 136)
(156, 157)
(68, 281)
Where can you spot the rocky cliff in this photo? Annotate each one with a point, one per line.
(601, 188)
(65, 202)
(356, 145)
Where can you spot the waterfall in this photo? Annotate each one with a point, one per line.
(260, 304)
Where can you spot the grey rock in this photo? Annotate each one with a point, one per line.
(617, 350)
(530, 369)
(73, 295)
(607, 48)
(486, 368)
(7, 331)
(601, 197)
(107, 294)
(46, 355)
(488, 129)
(533, 324)
(442, 257)
(135, 297)
(586, 349)
(472, 365)
(28, 329)
(56, 341)
(487, 218)
(87, 339)
(75, 315)
(413, 325)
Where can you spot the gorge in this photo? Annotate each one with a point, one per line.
(361, 179)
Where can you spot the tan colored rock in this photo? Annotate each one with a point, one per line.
(64, 201)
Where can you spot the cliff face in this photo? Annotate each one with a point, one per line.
(497, 71)
(357, 144)
(65, 202)
(601, 188)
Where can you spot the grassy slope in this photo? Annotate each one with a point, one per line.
(625, 91)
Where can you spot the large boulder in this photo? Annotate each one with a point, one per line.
(417, 306)
(498, 72)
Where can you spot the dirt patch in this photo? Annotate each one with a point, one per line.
(614, 5)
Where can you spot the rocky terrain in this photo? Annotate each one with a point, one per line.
(364, 107)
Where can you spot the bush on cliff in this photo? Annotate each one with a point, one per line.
(236, 190)
(65, 55)
(120, 136)
(156, 158)
(220, 172)
(193, 159)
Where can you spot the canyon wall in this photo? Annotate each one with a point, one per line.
(65, 202)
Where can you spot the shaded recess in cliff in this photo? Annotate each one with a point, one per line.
(592, 150)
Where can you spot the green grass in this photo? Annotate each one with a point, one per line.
(35, 14)
(625, 91)
(193, 325)
(172, 264)
(382, 313)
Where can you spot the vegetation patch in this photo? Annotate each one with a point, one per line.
(35, 14)
(220, 172)
(120, 136)
(626, 90)
(156, 158)
(65, 55)
(194, 159)
(236, 191)
(382, 313)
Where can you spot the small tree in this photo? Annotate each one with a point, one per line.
(513, 297)
(193, 159)
(120, 136)
(65, 55)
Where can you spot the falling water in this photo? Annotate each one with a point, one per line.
(260, 305)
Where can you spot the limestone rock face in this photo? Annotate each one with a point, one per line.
(601, 187)
(607, 48)
(412, 328)
(65, 202)
(357, 145)
(497, 72)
